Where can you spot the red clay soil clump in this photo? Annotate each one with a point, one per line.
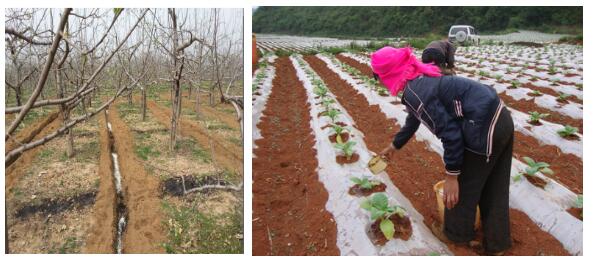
(536, 181)
(415, 169)
(576, 212)
(402, 225)
(358, 191)
(344, 135)
(289, 215)
(341, 159)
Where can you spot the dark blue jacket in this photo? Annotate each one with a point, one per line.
(461, 112)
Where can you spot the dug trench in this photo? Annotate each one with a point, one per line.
(128, 217)
(289, 215)
(568, 168)
(19, 166)
(527, 237)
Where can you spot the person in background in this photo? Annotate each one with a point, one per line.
(442, 54)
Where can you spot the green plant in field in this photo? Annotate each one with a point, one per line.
(327, 102)
(579, 86)
(346, 148)
(533, 79)
(562, 97)
(534, 167)
(364, 182)
(383, 91)
(579, 202)
(552, 69)
(514, 84)
(535, 116)
(338, 130)
(554, 81)
(509, 70)
(320, 91)
(378, 206)
(483, 73)
(332, 114)
(536, 93)
(567, 131)
(498, 77)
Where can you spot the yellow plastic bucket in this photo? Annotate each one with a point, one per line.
(438, 190)
(376, 165)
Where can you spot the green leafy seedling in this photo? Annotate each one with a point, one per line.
(338, 130)
(327, 102)
(320, 91)
(332, 114)
(536, 93)
(562, 97)
(567, 131)
(579, 202)
(533, 167)
(514, 84)
(378, 206)
(346, 148)
(535, 117)
(364, 182)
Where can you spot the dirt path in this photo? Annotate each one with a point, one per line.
(29, 133)
(416, 175)
(19, 166)
(102, 231)
(226, 153)
(144, 230)
(289, 215)
(568, 168)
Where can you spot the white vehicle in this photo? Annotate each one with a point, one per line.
(463, 34)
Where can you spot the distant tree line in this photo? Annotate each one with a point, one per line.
(412, 21)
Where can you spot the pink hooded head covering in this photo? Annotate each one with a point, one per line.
(396, 66)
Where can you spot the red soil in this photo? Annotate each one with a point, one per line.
(289, 215)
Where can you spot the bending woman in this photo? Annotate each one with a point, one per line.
(476, 131)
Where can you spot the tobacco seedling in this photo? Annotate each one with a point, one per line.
(347, 148)
(567, 131)
(326, 102)
(533, 167)
(514, 84)
(332, 114)
(378, 206)
(364, 182)
(552, 70)
(338, 130)
(320, 91)
(483, 73)
(536, 93)
(579, 202)
(535, 116)
(383, 91)
(498, 77)
(562, 97)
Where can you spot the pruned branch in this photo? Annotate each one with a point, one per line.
(25, 38)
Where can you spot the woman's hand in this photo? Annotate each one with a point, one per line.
(387, 150)
(451, 191)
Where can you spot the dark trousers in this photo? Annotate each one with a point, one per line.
(485, 184)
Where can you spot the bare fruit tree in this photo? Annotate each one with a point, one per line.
(76, 61)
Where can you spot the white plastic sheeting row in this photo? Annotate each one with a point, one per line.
(259, 104)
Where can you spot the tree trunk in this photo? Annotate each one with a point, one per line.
(143, 103)
(18, 96)
(198, 103)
